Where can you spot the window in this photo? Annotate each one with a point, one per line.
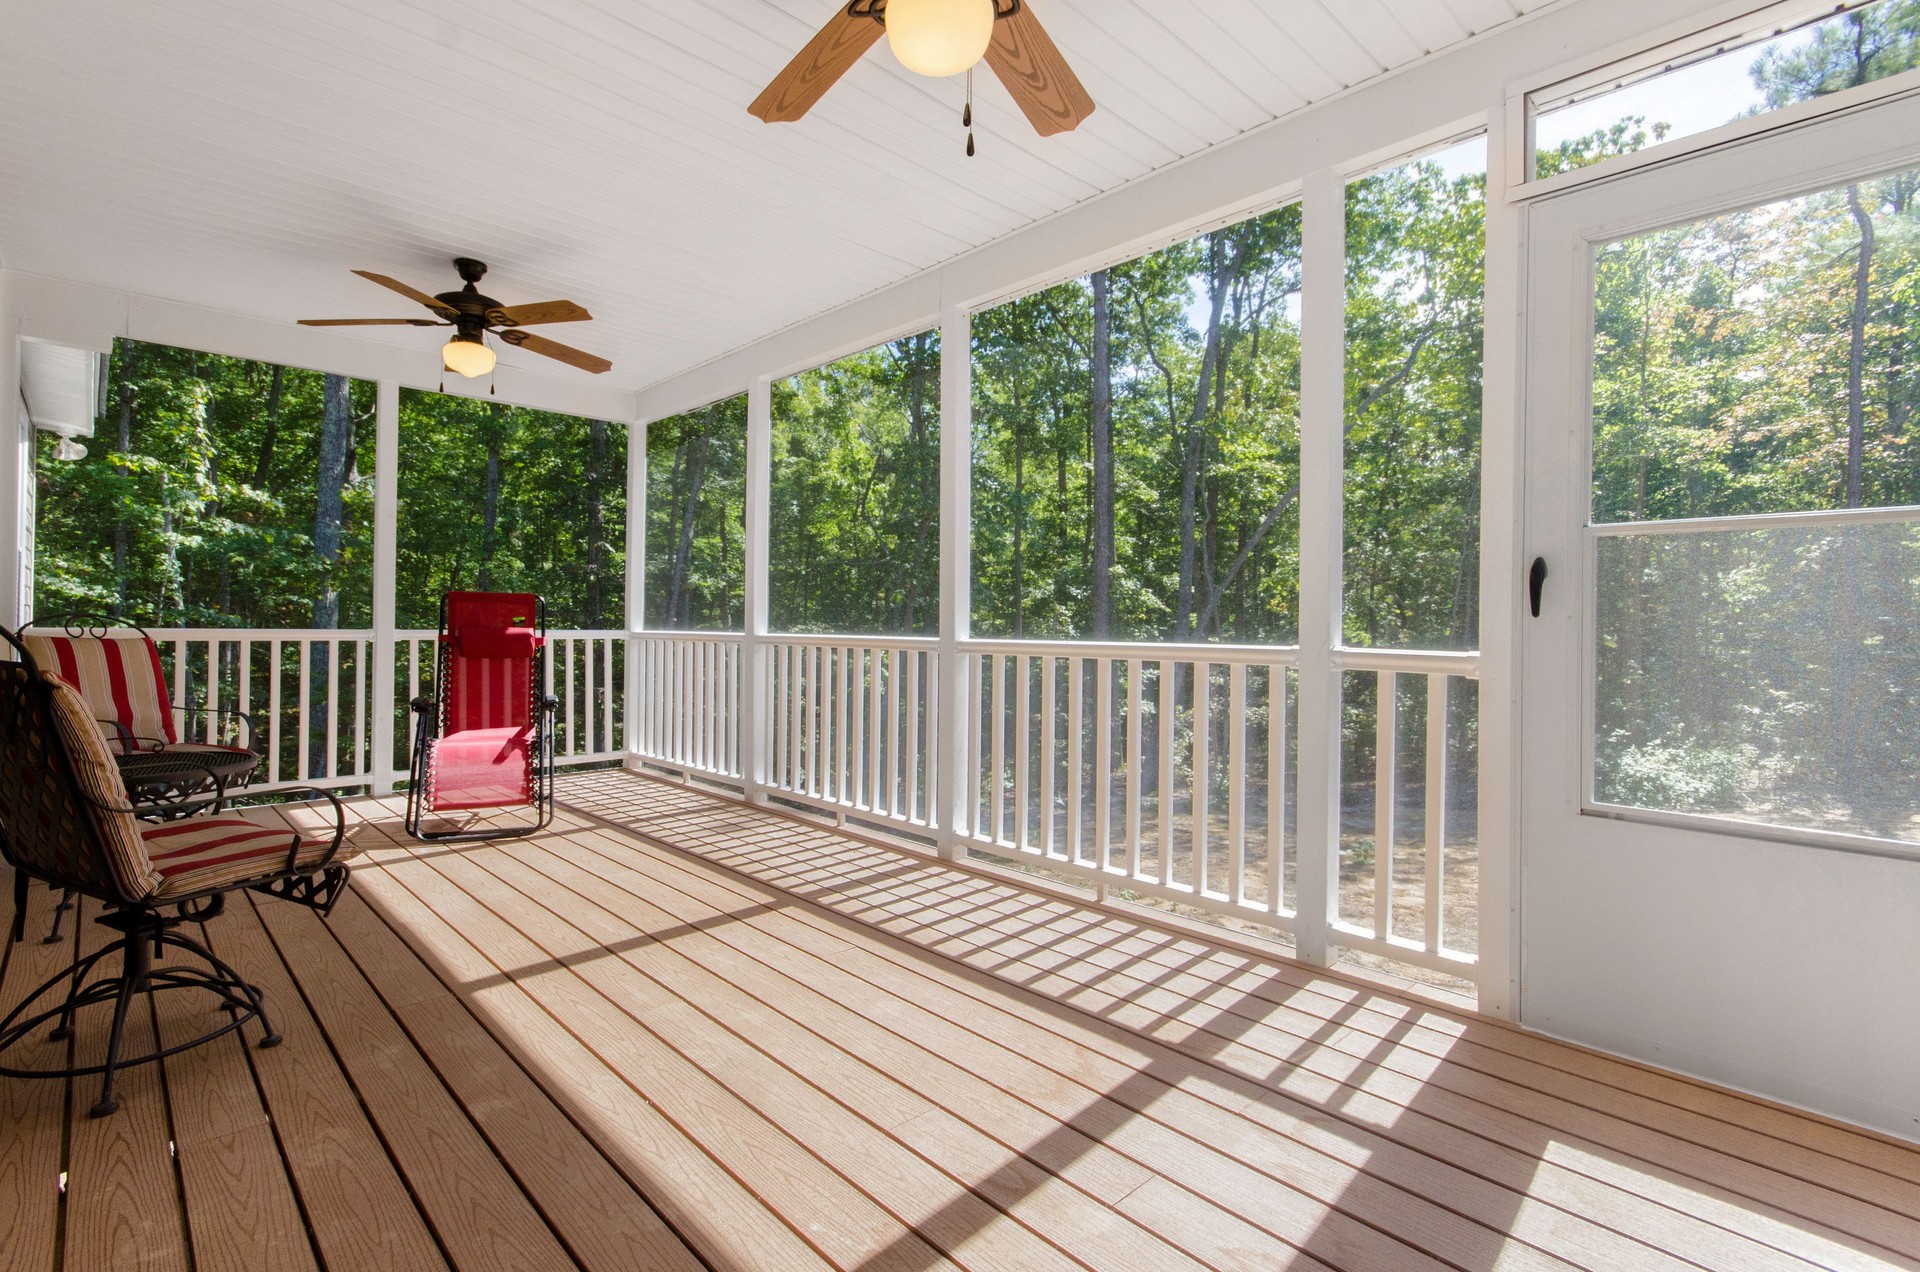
(1725, 81)
(855, 524)
(1136, 447)
(1416, 247)
(696, 491)
(1757, 549)
(217, 492)
(502, 498)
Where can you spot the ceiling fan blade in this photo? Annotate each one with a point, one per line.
(371, 322)
(554, 349)
(411, 293)
(827, 57)
(1025, 58)
(543, 311)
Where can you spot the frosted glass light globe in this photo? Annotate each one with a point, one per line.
(939, 37)
(468, 356)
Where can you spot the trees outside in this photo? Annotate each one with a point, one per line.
(854, 532)
(1136, 447)
(696, 499)
(217, 492)
(505, 498)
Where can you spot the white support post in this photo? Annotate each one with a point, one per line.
(755, 750)
(16, 476)
(636, 603)
(1502, 565)
(955, 708)
(1322, 427)
(386, 547)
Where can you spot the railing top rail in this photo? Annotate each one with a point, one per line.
(165, 634)
(815, 640)
(1418, 661)
(1146, 651)
(690, 637)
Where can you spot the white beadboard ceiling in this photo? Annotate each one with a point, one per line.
(245, 155)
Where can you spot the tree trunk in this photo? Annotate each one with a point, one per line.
(1218, 284)
(336, 438)
(123, 446)
(490, 514)
(597, 524)
(1857, 348)
(263, 467)
(1102, 618)
(679, 603)
(1019, 523)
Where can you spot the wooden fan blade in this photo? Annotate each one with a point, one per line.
(827, 57)
(554, 349)
(371, 322)
(1027, 61)
(543, 311)
(411, 293)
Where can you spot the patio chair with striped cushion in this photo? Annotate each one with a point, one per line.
(117, 671)
(484, 741)
(65, 818)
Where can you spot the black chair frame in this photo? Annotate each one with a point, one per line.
(72, 857)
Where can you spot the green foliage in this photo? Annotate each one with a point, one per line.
(696, 494)
(1034, 496)
(205, 517)
(855, 519)
(1416, 245)
(503, 498)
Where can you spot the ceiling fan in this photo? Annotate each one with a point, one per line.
(938, 38)
(472, 315)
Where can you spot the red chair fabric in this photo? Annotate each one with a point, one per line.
(485, 755)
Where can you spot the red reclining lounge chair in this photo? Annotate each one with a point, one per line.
(485, 740)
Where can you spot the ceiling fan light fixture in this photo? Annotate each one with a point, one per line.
(938, 38)
(467, 354)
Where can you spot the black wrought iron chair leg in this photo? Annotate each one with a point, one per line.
(66, 903)
(19, 931)
(64, 1029)
(133, 980)
(255, 999)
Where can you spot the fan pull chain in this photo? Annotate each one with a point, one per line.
(966, 115)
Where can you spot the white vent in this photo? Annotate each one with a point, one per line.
(62, 387)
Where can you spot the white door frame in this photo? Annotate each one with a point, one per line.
(1757, 958)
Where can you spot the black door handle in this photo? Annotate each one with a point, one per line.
(1537, 582)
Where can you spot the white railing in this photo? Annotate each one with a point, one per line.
(687, 712)
(312, 697)
(307, 692)
(1158, 769)
(850, 725)
(1152, 770)
(1400, 910)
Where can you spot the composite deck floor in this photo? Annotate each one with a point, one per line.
(674, 1032)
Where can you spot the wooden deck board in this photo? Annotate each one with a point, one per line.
(32, 1113)
(1011, 948)
(676, 1032)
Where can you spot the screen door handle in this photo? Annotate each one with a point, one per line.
(1536, 583)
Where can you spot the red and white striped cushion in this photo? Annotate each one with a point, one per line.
(118, 674)
(201, 853)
